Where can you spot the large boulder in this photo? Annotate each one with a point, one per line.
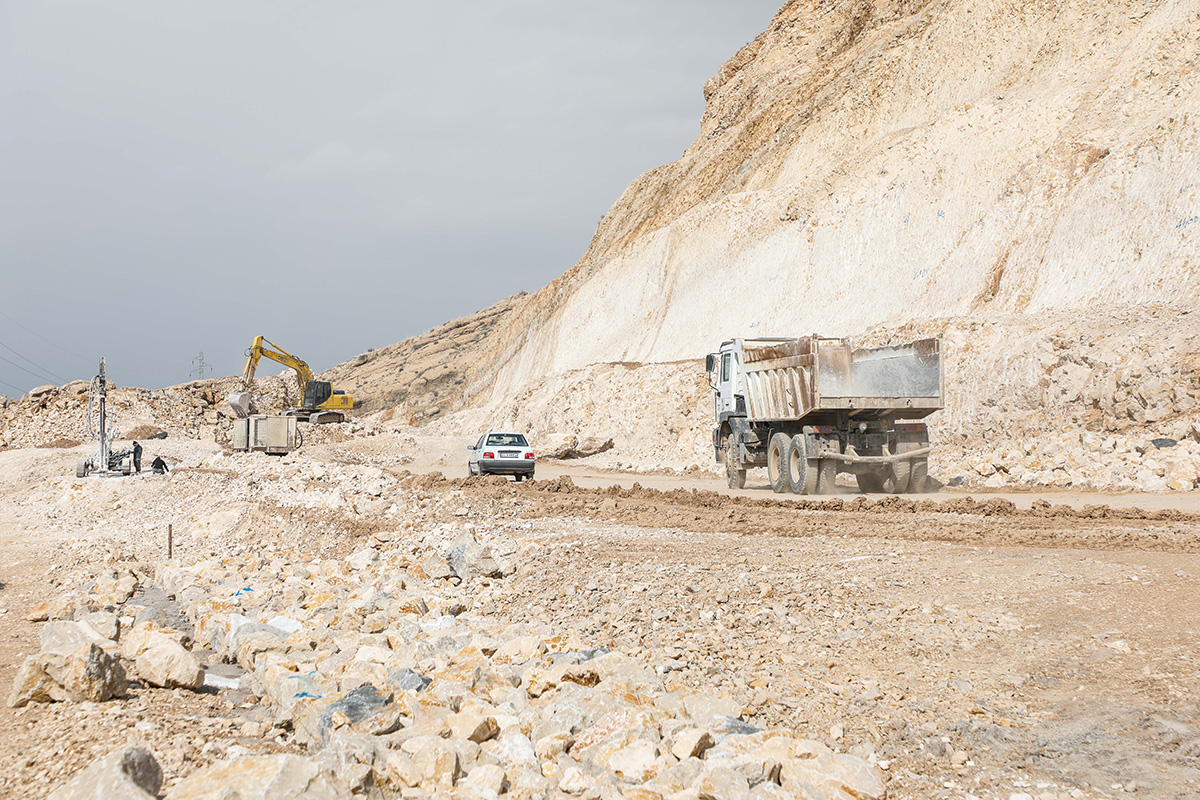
(557, 445)
(363, 707)
(129, 774)
(565, 445)
(88, 673)
(33, 685)
(148, 634)
(66, 637)
(468, 558)
(280, 777)
(75, 663)
(169, 665)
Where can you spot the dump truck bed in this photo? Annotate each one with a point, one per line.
(817, 379)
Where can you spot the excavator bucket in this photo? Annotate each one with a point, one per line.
(240, 403)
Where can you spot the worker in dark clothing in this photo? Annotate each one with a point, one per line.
(137, 457)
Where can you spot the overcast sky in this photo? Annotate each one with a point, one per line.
(177, 178)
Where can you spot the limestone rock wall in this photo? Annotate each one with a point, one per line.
(866, 163)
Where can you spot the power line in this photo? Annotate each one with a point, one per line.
(9, 385)
(55, 376)
(18, 366)
(43, 338)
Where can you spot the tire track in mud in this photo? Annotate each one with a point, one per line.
(992, 522)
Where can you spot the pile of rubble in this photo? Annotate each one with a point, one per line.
(194, 410)
(398, 676)
(1079, 461)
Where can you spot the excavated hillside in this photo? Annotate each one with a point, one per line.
(866, 163)
(1019, 177)
(424, 375)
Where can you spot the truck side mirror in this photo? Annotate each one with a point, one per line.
(710, 362)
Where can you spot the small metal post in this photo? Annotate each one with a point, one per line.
(170, 543)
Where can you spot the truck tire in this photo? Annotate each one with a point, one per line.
(911, 475)
(777, 462)
(801, 470)
(918, 481)
(902, 471)
(826, 475)
(81, 468)
(870, 482)
(735, 476)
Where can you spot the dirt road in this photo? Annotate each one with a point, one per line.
(448, 456)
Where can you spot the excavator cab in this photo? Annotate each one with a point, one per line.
(316, 393)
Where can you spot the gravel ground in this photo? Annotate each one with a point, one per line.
(970, 650)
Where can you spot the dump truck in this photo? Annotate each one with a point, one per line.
(810, 408)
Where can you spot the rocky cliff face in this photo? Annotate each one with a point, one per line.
(865, 163)
(1018, 176)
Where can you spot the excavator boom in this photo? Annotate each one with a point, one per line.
(317, 398)
(275, 353)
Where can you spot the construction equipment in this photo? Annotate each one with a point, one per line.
(108, 462)
(276, 435)
(812, 407)
(319, 401)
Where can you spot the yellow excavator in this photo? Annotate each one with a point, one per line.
(319, 401)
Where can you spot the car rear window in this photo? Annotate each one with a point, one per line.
(507, 440)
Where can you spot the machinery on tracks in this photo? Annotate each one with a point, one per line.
(319, 401)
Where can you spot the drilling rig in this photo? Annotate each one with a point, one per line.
(107, 463)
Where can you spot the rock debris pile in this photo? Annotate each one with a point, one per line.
(195, 410)
(397, 675)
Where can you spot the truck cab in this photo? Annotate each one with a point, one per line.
(724, 373)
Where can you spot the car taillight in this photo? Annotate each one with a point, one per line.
(529, 455)
(489, 455)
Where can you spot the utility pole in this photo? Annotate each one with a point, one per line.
(201, 367)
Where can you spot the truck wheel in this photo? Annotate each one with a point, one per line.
(902, 471)
(777, 462)
(81, 468)
(870, 482)
(918, 481)
(897, 482)
(802, 470)
(826, 475)
(735, 476)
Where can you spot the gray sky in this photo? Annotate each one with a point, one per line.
(335, 176)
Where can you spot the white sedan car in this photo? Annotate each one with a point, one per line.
(498, 453)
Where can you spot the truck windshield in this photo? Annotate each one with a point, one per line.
(507, 440)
